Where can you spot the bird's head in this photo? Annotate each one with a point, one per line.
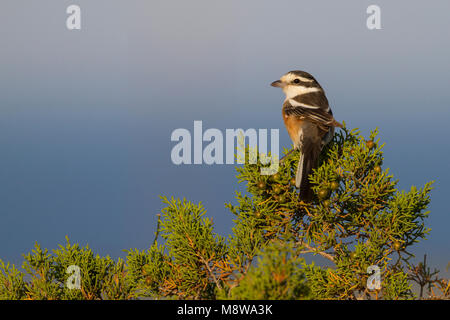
(297, 82)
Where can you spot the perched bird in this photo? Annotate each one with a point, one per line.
(309, 122)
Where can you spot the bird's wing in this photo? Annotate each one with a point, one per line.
(324, 119)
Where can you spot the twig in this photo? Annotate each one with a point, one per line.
(314, 250)
(206, 263)
(158, 224)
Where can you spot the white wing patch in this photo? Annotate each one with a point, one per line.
(295, 103)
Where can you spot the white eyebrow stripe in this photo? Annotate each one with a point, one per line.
(304, 79)
(294, 91)
(298, 104)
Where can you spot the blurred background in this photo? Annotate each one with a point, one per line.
(86, 116)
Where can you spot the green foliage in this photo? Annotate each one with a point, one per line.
(12, 284)
(193, 250)
(358, 218)
(101, 277)
(276, 275)
(362, 221)
(147, 271)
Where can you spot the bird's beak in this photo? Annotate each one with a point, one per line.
(277, 84)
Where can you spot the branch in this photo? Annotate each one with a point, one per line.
(315, 250)
(158, 225)
(206, 263)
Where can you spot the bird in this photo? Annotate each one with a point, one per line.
(309, 122)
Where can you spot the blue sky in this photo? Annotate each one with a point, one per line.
(86, 116)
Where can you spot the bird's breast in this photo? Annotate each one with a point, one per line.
(293, 127)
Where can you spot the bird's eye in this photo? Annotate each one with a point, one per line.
(296, 81)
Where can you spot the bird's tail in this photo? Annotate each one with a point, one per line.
(309, 157)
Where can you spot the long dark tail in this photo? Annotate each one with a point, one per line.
(309, 157)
